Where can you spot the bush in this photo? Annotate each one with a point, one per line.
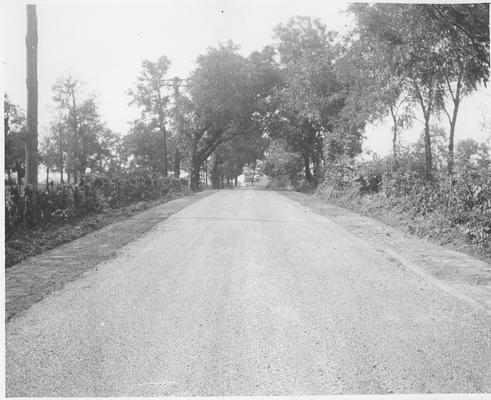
(91, 195)
(283, 167)
(461, 203)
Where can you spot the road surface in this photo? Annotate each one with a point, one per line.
(248, 293)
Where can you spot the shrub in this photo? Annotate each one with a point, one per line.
(461, 202)
(91, 195)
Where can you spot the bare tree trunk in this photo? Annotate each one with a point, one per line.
(177, 163)
(308, 174)
(31, 147)
(426, 109)
(20, 175)
(428, 155)
(60, 140)
(451, 140)
(195, 170)
(215, 184)
(394, 132)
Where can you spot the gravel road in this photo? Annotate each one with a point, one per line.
(247, 292)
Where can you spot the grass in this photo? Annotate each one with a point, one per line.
(28, 242)
(433, 226)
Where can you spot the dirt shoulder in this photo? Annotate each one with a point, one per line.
(465, 276)
(34, 278)
(28, 242)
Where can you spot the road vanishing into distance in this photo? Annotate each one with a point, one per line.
(246, 292)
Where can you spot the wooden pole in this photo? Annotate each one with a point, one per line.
(31, 143)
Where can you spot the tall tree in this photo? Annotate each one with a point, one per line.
(149, 95)
(144, 146)
(413, 54)
(15, 132)
(84, 138)
(374, 91)
(31, 139)
(312, 96)
(464, 53)
(220, 105)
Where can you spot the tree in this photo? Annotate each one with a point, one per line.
(82, 139)
(284, 167)
(412, 52)
(49, 156)
(252, 172)
(220, 105)
(470, 153)
(467, 24)
(149, 96)
(144, 144)
(31, 139)
(15, 132)
(311, 98)
(373, 90)
(438, 51)
(465, 56)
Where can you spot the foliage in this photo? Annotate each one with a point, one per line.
(220, 107)
(77, 132)
(14, 128)
(460, 203)
(282, 166)
(309, 100)
(92, 194)
(150, 96)
(435, 70)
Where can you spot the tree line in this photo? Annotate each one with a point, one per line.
(293, 107)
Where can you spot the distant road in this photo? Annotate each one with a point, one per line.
(248, 293)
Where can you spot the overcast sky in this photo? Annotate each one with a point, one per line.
(102, 43)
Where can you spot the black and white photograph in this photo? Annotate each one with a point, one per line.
(246, 198)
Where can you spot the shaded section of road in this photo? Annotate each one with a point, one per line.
(260, 297)
(36, 277)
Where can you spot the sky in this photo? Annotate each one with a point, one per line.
(102, 43)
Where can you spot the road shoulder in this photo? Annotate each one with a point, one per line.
(36, 277)
(461, 275)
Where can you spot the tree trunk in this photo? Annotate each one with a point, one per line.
(177, 163)
(47, 178)
(316, 159)
(20, 174)
(428, 156)
(308, 174)
(394, 132)
(235, 181)
(215, 179)
(31, 146)
(61, 174)
(60, 140)
(453, 122)
(195, 170)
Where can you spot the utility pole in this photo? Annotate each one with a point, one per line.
(31, 143)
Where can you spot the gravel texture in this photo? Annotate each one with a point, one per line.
(248, 293)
